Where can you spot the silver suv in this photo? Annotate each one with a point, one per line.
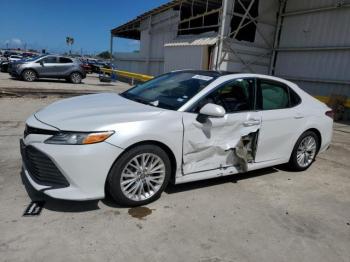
(48, 66)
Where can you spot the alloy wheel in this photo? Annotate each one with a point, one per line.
(142, 176)
(306, 151)
(76, 78)
(29, 75)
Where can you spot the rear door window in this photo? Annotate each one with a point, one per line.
(49, 60)
(294, 98)
(65, 60)
(274, 95)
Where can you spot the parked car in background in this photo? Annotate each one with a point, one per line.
(86, 67)
(13, 58)
(95, 66)
(48, 66)
(8, 53)
(181, 127)
(29, 55)
(4, 65)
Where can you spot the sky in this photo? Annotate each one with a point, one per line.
(45, 24)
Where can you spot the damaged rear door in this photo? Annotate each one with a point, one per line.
(220, 142)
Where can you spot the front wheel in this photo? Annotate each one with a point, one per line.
(304, 152)
(75, 78)
(29, 75)
(139, 176)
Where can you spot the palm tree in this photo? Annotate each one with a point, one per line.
(70, 42)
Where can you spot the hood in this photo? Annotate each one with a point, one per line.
(17, 62)
(94, 112)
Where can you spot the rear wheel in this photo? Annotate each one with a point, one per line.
(139, 176)
(304, 152)
(29, 75)
(75, 78)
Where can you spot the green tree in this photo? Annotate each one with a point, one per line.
(70, 42)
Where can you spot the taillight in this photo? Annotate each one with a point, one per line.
(330, 114)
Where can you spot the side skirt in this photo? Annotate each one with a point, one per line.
(225, 171)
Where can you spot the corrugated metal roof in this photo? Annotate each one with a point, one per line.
(128, 30)
(135, 23)
(192, 42)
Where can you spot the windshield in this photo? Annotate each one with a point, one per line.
(172, 90)
(34, 58)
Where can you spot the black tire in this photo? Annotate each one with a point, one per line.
(75, 78)
(115, 174)
(293, 163)
(29, 75)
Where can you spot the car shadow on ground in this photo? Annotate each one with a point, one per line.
(58, 205)
(46, 80)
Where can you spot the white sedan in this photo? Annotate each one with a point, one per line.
(180, 127)
(13, 58)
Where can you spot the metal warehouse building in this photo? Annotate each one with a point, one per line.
(307, 42)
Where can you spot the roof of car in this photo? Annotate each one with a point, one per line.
(212, 73)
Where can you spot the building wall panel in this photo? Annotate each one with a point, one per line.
(296, 5)
(330, 65)
(323, 29)
(323, 89)
(185, 57)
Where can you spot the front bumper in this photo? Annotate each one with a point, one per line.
(84, 167)
(13, 71)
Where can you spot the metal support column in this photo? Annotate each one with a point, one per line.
(222, 33)
(149, 32)
(281, 10)
(111, 48)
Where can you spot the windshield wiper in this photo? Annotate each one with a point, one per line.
(135, 98)
(140, 101)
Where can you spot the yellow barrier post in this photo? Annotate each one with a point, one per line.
(130, 75)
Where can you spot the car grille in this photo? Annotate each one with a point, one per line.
(33, 130)
(41, 168)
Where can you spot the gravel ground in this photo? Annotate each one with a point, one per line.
(267, 215)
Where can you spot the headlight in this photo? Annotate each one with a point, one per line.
(78, 138)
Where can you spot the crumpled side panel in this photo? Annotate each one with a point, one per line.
(216, 143)
(245, 150)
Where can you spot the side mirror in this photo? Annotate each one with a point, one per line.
(212, 110)
(41, 63)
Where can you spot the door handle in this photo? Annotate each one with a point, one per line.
(298, 116)
(252, 122)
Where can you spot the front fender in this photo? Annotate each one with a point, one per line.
(166, 129)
